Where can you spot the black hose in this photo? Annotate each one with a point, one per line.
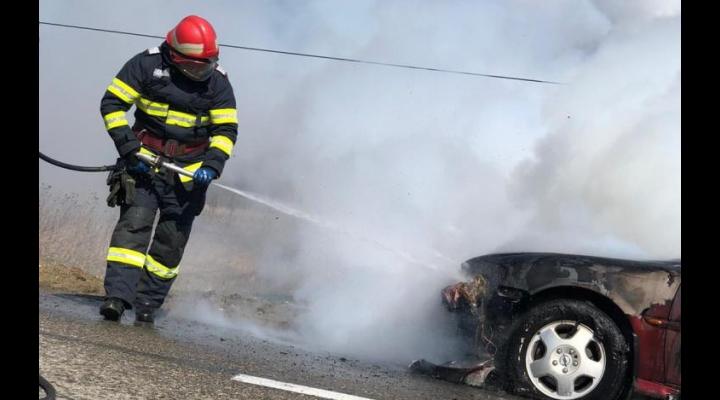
(76, 167)
(48, 388)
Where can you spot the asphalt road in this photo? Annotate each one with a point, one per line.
(85, 357)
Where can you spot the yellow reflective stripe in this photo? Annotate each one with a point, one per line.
(191, 168)
(223, 116)
(152, 108)
(115, 119)
(173, 117)
(133, 93)
(182, 119)
(160, 270)
(126, 256)
(123, 91)
(223, 143)
(146, 151)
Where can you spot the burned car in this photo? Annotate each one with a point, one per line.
(560, 326)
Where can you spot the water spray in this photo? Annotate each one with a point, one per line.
(160, 162)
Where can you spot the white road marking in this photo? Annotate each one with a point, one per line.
(291, 387)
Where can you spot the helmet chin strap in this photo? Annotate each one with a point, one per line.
(190, 76)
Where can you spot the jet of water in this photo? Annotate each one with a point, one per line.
(287, 210)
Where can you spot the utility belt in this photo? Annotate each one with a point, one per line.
(170, 147)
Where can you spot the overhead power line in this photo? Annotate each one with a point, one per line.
(291, 53)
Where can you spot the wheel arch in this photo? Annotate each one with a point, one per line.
(602, 302)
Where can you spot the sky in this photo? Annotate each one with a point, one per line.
(439, 166)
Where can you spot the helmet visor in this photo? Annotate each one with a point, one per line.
(198, 69)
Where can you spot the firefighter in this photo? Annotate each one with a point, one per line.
(185, 113)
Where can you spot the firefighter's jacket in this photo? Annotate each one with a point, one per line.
(171, 106)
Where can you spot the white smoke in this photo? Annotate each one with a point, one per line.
(441, 167)
(606, 179)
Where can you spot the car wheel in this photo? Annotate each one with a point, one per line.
(566, 350)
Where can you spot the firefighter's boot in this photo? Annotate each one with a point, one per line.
(144, 314)
(112, 309)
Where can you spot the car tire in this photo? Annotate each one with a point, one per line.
(543, 355)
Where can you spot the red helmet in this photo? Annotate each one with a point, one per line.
(193, 47)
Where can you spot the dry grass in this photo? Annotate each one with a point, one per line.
(75, 230)
(60, 278)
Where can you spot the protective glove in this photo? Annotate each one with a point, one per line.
(204, 175)
(135, 165)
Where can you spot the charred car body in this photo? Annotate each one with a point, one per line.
(564, 326)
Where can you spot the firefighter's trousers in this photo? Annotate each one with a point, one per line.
(141, 273)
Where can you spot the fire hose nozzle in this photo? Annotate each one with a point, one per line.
(158, 162)
(150, 159)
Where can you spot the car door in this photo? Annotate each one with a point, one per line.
(672, 343)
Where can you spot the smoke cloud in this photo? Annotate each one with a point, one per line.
(437, 168)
